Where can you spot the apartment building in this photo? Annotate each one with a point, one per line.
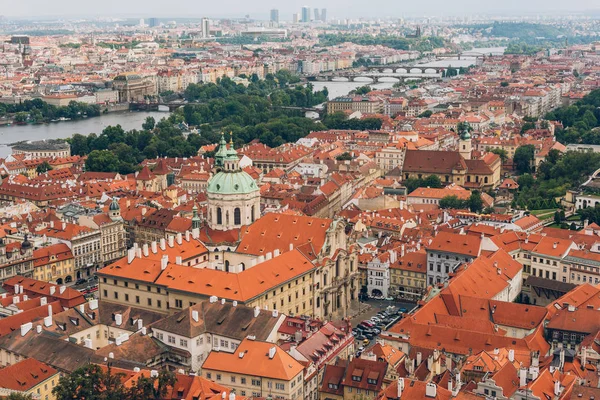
(447, 252)
(213, 325)
(257, 369)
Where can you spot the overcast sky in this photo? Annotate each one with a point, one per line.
(259, 8)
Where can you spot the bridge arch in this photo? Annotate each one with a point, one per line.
(431, 70)
(415, 70)
(401, 71)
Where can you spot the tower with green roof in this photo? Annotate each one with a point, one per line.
(464, 142)
(233, 195)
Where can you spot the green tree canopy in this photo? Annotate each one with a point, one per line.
(524, 158)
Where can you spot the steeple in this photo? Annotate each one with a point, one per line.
(464, 144)
(195, 219)
(221, 154)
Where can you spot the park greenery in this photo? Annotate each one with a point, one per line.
(553, 177)
(581, 121)
(92, 382)
(38, 111)
(259, 110)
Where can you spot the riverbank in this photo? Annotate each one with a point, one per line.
(63, 130)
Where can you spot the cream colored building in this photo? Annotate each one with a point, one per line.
(257, 369)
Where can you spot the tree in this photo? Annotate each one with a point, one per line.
(524, 157)
(102, 161)
(526, 181)
(21, 117)
(426, 114)
(79, 145)
(90, 383)
(43, 168)
(344, 156)
(504, 84)
(527, 126)
(149, 123)
(451, 202)
(475, 202)
(152, 387)
(362, 90)
(557, 219)
(432, 181)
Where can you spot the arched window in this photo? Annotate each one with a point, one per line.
(237, 216)
(243, 266)
(219, 216)
(226, 265)
(252, 213)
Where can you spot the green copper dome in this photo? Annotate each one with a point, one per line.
(238, 182)
(114, 205)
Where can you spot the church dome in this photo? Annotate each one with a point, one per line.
(114, 205)
(238, 182)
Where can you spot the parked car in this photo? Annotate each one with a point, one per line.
(377, 331)
(403, 310)
(358, 354)
(80, 281)
(389, 298)
(369, 335)
(361, 348)
(366, 342)
(360, 338)
(367, 323)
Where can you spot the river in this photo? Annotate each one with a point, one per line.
(62, 130)
(342, 87)
(134, 120)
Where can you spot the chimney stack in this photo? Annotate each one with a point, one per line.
(171, 241)
(153, 247)
(400, 387)
(163, 244)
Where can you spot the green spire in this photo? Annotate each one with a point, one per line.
(221, 154)
(195, 218)
(465, 135)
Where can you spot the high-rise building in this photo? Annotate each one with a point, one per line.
(305, 14)
(296, 18)
(275, 15)
(205, 27)
(324, 14)
(142, 24)
(317, 15)
(153, 22)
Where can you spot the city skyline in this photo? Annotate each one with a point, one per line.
(336, 8)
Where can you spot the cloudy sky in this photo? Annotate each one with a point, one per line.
(260, 8)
